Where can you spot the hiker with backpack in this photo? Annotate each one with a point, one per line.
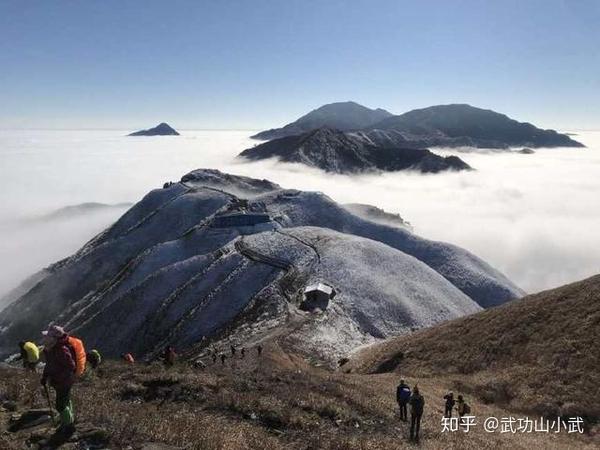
(417, 404)
(402, 397)
(30, 354)
(450, 402)
(462, 408)
(128, 358)
(94, 358)
(65, 361)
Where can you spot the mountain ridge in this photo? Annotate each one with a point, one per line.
(335, 151)
(450, 125)
(344, 116)
(194, 258)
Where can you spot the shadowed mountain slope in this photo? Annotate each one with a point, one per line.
(464, 125)
(339, 152)
(538, 354)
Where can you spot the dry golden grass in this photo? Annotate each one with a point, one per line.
(540, 354)
(273, 402)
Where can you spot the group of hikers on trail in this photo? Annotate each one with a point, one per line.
(462, 408)
(223, 357)
(168, 357)
(405, 397)
(65, 360)
(415, 400)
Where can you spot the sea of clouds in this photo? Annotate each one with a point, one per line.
(534, 217)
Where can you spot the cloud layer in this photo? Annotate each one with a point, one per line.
(534, 217)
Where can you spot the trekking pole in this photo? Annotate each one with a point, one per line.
(33, 389)
(47, 392)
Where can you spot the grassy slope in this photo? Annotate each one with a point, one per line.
(540, 354)
(273, 402)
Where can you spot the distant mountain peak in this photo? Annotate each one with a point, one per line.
(461, 124)
(162, 129)
(343, 116)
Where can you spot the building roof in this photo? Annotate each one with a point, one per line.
(238, 219)
(321, 287)
(245, 214)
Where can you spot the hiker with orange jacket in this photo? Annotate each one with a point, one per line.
(60, 371)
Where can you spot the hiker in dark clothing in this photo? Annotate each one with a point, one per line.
(259, 349)
(462, 408)
(417, 404)
(449, 397)
(60, 372)
(169, 356)
(223, 359)
(402, 397)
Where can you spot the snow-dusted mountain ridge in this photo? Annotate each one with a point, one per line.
(217, 256)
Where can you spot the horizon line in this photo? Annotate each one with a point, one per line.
(565, 129)
(120, 129)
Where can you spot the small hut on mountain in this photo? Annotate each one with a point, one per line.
(317, 296)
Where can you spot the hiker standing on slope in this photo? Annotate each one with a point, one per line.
(169, 356)
(417, 404)
(30, 354)
(94, 358)
(449, 397)
(462, 408)
(60, 372)
(402, 397)
(128, 358)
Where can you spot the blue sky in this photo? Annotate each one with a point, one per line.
(253, 64)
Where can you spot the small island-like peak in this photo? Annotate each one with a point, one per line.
(162, 129)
